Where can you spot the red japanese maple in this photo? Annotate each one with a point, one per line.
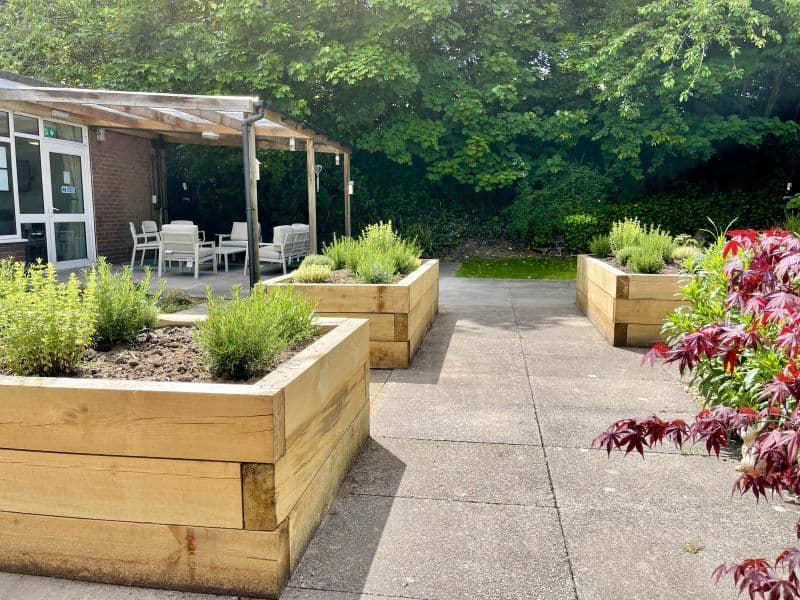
(762, 270)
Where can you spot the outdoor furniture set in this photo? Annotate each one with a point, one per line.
(184, 243)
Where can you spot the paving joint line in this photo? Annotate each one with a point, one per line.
(377, 595)
(455, 441)
(450, 500)
(547, 462)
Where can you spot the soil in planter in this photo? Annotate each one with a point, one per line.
(168, 354)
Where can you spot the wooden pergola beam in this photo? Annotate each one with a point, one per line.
(170, 122)
(147, 100)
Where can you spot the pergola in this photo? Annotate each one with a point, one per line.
(244, 121)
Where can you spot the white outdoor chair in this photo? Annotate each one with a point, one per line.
(237, 238)
(200, 232)
(181, 243)
(287, 244)
(141, 244)
(150, 229)
(305, 248)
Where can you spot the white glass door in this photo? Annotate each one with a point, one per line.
(68, 204)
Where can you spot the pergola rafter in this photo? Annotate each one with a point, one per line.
(194, 119)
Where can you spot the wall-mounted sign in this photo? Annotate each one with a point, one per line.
(67, 189)
(50, 132)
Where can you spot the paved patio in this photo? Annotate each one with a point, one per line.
(479, 482)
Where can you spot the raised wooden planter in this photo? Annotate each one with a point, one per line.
(628, 309)
(399, 314)
(205, 487)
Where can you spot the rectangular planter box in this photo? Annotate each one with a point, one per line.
(627, 308)
(188, 486)
(399, 314)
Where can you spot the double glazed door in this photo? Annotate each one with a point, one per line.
(58, 219)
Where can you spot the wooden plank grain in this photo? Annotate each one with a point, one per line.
(118, 488)
(212, 560)
(137, 418)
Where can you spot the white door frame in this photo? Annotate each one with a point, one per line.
(51, 216)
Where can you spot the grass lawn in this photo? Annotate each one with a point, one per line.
(519, 268)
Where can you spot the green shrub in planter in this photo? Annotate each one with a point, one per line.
(646, 259)
(312, 274)
(375, 269)
(318, 259)
(624, 254)
(600, 246)
(124, 305)
(683, 253)
(656, 240)
(245, 337)
(624, 234)
(45, 325)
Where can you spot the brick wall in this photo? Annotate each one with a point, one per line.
(16, 250)
(122, 184)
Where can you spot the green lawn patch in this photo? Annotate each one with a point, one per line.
(519, 268)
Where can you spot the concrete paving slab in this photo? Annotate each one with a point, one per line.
(438, 550)
(436, 387)
(485, 326)
(581, 347)
(30, 587)
(599, 366)
(657, 528)
(490, 473)
(470, 419)
(292, 593)
(576, 427)
(638, 397)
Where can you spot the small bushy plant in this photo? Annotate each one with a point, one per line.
(684, 239)
(646, 259)
(45, 325)
(792, 223)
(245, 337)
(624, 234)
(124, 306)
(312, 274)
(656, 241)
(682, 253)
(600, 246)
(624, 254)
(318, 259)
(379, 255)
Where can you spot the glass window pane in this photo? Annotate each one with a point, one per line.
(8, 224)
(62, 131)
(67, 183)
(23, 124)
(4, 131)
(37, 241)
(29, 177)
(70, 241)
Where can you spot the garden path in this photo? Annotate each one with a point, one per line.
(478, 482)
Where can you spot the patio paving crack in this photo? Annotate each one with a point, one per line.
(556, 506)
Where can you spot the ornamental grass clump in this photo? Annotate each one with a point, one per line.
(45, 325)
(625, 234)
(125, 307)
(738, 338)
(244, 338)
(379, 255)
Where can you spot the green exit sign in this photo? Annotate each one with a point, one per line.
(50, 132)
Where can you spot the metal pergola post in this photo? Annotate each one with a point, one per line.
(251, 194)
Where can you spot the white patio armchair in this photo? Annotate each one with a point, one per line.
(141, 243)
(181, 244)
(287, 244)
(150, 229)
(200, 232)
(237, 238)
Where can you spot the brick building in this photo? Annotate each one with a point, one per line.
(78, 165)
(67, 188)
